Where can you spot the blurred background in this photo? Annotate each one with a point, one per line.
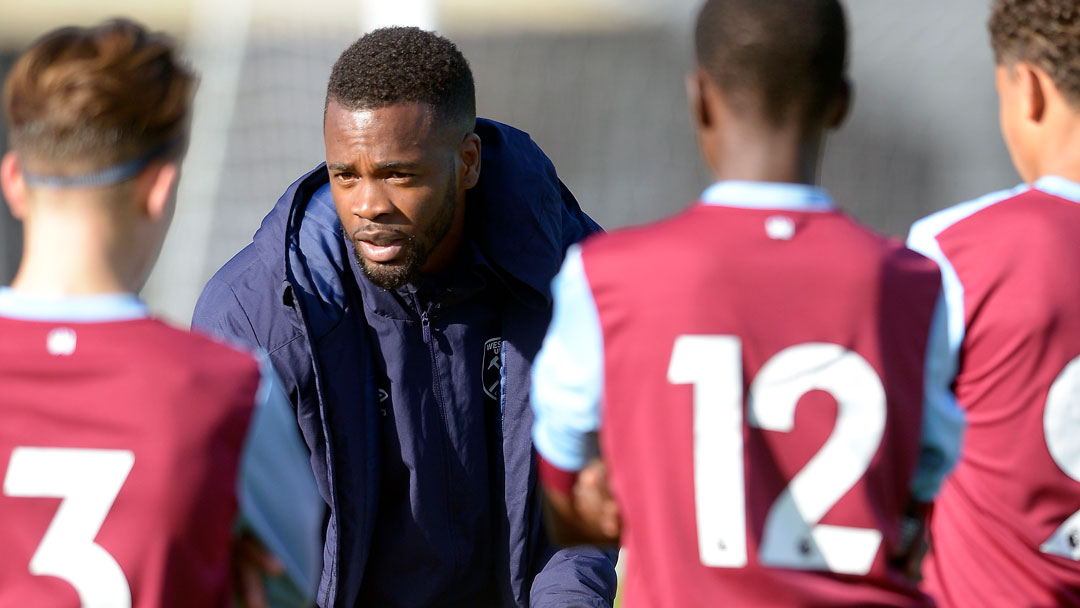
(598, 84)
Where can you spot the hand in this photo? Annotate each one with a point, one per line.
(250, 563)
(908, 556)
(595, 503)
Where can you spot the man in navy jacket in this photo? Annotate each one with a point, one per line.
(402, 295)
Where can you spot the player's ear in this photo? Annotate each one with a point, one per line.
(13, 185)
(1034, 86)
(161, 190)
(469, 155)
(695, 96)
(840, 106)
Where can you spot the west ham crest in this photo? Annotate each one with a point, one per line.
(492, 374)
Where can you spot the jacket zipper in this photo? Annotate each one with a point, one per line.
(425, 323)
(436, 389)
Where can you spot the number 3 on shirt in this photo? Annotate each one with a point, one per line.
(88, 481)
(792, 537)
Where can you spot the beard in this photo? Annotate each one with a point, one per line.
(415, 249)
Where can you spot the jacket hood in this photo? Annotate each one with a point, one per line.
(520, 215)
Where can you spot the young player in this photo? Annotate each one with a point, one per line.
(1005, 529)
(760, 368)
(131, 453)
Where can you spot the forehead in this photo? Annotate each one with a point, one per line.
(406, 129)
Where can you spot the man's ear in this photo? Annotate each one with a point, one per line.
(13, 185)
(695, 96)
(841, 105)
(469, 154)
(1034, 87)
(161, 189)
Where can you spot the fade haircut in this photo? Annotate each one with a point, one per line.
(98, 96)
(1043, 33)
(396, 65)
(783, 59)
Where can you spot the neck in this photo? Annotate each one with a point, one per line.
(751, 153)
(1061, 154)
(72, 256)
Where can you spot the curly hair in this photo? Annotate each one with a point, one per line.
(405, 64)
(1044, 33)
(777, 57)
(98, 96)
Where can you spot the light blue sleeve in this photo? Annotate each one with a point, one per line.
(568, 373)
(943, 420)
(279, 501)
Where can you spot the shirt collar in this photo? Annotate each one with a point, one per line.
(76, 309)
(1059, 186)
(767, 195)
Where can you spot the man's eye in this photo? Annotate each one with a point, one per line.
(398, 175)
(345, 177)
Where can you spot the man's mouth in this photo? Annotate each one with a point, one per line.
(380, 247)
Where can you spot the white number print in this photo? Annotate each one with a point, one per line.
(1061, 419)
(792, 537)
(88, 481)
(713, 364)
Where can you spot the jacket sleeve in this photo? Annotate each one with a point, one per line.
(243, 305)
(219, 313)
(576, 576)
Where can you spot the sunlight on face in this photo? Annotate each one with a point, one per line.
(392, 174)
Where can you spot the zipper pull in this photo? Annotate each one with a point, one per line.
(425, 323)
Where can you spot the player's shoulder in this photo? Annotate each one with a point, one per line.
(198, 351)
(881, 257)
(911, 267)
(629, 241)
(936, 223)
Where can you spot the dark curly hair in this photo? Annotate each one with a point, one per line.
(776, 57)
(405, 64)
(1044, 33)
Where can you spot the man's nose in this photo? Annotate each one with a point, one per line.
(371, 201)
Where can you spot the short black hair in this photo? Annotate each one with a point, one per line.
(396, 65)
(784, 58)
(1044, 33)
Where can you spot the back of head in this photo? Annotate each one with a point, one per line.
(783, 59)
(1043, 33)
(83, 99)
(396, 65)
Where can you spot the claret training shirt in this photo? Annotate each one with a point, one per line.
(764, 374)
(1006, 527)
(131, 455)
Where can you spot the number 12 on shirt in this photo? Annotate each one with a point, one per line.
(792, 537)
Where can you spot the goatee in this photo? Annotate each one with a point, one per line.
(415, 251)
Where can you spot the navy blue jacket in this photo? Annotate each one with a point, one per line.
(291, 293)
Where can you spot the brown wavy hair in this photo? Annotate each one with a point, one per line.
(1044, 33)
(93, 97)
